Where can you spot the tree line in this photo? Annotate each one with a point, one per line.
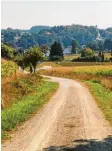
(38, 35)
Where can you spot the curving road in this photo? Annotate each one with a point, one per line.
(71, 121)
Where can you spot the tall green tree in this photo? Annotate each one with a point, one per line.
(56, 52)
(74, 46)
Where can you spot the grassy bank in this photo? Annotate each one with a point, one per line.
(20, 111)
(16, 87)
(103, 98)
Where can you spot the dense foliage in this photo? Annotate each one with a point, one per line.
(7, 52)
(87, 52)
(56, 52)
(8, 68)
(39, 35)
(30, 58)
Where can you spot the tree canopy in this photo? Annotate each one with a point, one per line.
(6, 51)
(87, 52)
(56, 52)
(39, 35)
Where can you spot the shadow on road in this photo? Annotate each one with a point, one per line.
(85, 145)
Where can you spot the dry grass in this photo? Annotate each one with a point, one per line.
(102, 74)
(70, 57)
(15, 87)
(48, 63)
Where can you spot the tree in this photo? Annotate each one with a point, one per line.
(87, 52)
(100, 45)
(19, 59)
(32, 56)
(7, 52)
(108, 44)
(74, 46)
(56, 52)
(101, 57)
(93, 45)
(44, 48)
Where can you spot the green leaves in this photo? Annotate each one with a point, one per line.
(7, 51)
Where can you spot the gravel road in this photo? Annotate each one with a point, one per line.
(71, 121)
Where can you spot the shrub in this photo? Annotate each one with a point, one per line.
(87, 52)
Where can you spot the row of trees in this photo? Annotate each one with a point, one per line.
(100, 45)
(94, 45)
(32, 56)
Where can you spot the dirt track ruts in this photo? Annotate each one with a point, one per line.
(71, 121)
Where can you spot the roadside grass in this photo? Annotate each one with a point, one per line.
(103, 98)
(15, 87)
(23, 108)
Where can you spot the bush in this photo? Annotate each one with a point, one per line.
(86, 59)
(87, 52)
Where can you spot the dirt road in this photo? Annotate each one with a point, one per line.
(71, 121)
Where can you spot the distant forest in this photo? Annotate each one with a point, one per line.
(45, 35)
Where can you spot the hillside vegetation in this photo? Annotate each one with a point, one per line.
(39, 35)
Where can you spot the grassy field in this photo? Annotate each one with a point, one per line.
(22, 108)
(48, 63)
(70, 57)
(73, 64)
(102, 73)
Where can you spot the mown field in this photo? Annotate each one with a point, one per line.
(97, 77)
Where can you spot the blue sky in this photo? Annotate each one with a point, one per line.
(26, 14)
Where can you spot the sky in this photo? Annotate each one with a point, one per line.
(25, 14)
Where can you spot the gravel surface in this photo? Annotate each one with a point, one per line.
(71, 121)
